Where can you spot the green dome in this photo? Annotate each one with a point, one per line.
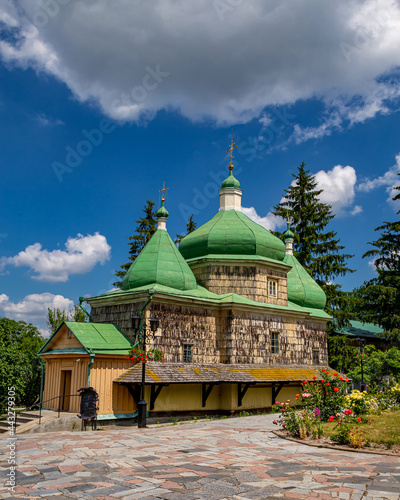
(162, 211)
(160, 263)
(288, 234)
(230, 182)
(231, 232)
(301, 288)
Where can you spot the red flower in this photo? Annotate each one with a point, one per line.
(311, 383)
(336, 389)
(331, 419)
(306, 381)
(315, 378)
(297, 395)
(327, 393)
(328, 384)
(335, 374)
(340, 378)
(358, 419)
(322, 380)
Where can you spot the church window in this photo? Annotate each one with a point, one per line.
(275, 343)
(315, 356)
(272, 287)
(187, 353)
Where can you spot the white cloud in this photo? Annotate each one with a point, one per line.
(33, 308)
(47, 121)
(270, 221)
(81, 255)
(338, 187)
(135, 58)
(389, 180)
(356, 210)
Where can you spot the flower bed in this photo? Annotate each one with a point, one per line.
(326, 400)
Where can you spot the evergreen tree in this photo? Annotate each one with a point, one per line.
(379, 299)
(190, 227)
(144, 231)
(317, 251)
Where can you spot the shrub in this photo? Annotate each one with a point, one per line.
(328, 394)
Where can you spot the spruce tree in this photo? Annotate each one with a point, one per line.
(379, 299)
(319, 252)
(144, 231)
(190, 227)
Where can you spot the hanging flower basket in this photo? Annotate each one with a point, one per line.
(143, 356)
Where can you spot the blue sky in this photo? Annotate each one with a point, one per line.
(100, 102)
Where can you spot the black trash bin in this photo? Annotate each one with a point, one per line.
(89, 407)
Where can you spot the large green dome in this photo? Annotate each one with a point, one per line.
(160, 263)
(301, 288)
(230, 232)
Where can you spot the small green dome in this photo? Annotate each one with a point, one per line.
(162, 211)
(301, 288)
(230, 182)
(160, 262)
(230, 232)
(288, 234)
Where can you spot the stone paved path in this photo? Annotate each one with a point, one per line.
(213, 460)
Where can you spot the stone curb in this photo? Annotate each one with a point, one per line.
(334, 447)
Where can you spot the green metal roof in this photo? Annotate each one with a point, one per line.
(359, 329)
(98, 338)
(203, 294)
(230, 182)
(231, 232)
(160, 262)
(72, 350)
(301, 288)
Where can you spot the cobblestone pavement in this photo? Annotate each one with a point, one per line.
(213, 460)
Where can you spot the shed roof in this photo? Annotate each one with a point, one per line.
(98, 338)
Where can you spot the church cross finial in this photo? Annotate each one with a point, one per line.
(230, 151)
(287, 217)
(163, 192)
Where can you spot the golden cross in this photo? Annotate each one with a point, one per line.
(163, 192)
(287, 217)
(230, 151)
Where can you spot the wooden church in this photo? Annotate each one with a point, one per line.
(240, 321)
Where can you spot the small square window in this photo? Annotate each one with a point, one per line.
(187, 353)
(315, 357)
(275, 343)
(68, 334)
(272, 288)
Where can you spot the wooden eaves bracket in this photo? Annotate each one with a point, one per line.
(276, 391)
(206, 391)
(242, 392)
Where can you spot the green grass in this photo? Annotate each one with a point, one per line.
(384, 429)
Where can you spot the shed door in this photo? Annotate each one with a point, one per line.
(65, 389)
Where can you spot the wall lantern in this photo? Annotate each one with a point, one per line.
(154, 324)
(135, 322)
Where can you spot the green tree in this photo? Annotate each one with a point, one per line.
(317, 250)
(56, 316)
(376, 364)
(19, 364)
(378, 300)
(144, 231)
(190, 227)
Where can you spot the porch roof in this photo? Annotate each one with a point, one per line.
(181, 373)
